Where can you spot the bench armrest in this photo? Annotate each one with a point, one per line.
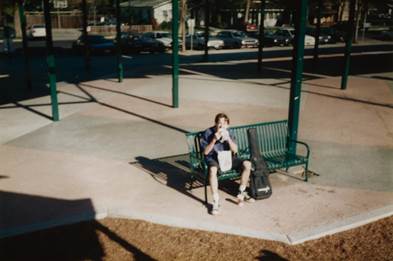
(304, 144)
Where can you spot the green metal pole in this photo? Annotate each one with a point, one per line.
(51, 61)
(207, 25)
(22, 17)
(261, 35)
(348, 45)
(118, 43)
(297, 71)
(175, 53)
(85, 36)
(317, 31)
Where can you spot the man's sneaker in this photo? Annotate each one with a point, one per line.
(244, 197)
(216, 208)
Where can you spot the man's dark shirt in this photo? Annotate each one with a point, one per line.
(207, 137)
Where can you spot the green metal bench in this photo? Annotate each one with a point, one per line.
(273, 139)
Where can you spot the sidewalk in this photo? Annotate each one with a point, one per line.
(124, 151)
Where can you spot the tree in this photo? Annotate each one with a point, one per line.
(183, 14)
(247, 11)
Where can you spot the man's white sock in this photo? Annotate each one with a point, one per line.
(242, 188)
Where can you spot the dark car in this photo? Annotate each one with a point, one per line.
(339, 31)
(7, 32)
(230, 40)
(387, 35)
(136, 43)
(96, 43)
(326, 34)
(276, 37)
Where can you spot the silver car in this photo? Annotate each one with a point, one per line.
(162, 36)
(198, 41)
(237, 39)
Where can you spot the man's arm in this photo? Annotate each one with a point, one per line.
(210, 146)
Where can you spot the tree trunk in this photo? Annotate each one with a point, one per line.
(183, 23)
(359, 8)
(247, 11)
(17, 27)
(365, 11)
(341, 8)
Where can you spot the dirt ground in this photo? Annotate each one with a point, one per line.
(122, 239)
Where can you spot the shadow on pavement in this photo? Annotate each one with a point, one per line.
(21, 213)
(174, 175)
(383, 78)
(123, 93)
(174, 172)
(71, 68)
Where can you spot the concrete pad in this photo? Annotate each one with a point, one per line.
(106, 158)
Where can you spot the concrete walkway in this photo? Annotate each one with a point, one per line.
(120, 153)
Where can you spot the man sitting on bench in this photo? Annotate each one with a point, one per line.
(217, 139)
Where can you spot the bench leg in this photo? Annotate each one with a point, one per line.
(192, 179)
(206, 183)
(305, 172)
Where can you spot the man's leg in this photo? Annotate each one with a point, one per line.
(214, 188)
(246, 166)
(245, 176)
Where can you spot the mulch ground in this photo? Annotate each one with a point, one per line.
(122, 239)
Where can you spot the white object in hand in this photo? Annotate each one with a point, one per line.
(224, 135)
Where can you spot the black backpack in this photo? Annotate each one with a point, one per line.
(260, 187)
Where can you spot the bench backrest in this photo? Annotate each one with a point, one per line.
(272, 137)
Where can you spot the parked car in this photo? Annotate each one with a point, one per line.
(253, 34)
(246, 40)
(385, 36)
(36, 31)
(236, 39)
(339, 31)
(198, 41)
(136, 43)
(230, 41)
(162, 36)
(308, 39)
(276, 37)
(7, 32)
(96, 44)
(326, 34)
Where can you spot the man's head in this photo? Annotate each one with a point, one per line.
(221, 120)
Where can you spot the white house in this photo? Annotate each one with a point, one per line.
(147, 11)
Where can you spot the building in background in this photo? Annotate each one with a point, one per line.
(153, 12)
